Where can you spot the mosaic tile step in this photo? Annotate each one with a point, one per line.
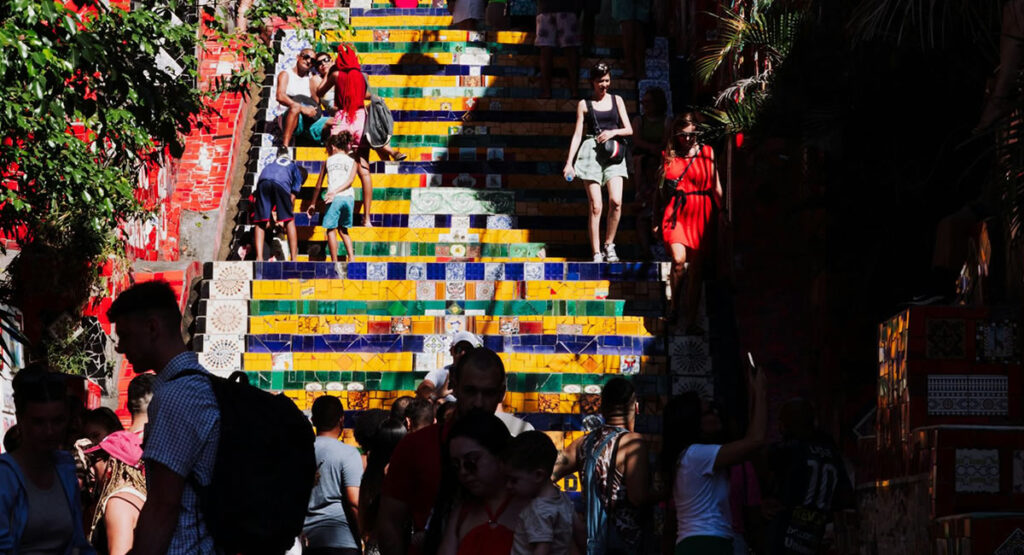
(442, 308)
(538, 226)
(234, 359)
(234, 319)
(385, 75)
(452, 250)
(552, 105)
(434, 344)
(512, 271)
(453, 290)
(529, 384)
(475, 58)
(330, 38)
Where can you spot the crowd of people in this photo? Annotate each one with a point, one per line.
(446, 470)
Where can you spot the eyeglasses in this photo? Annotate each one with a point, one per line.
(306, 57)
(688, 134)
(323, 61)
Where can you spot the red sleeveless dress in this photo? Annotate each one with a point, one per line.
(688, 211)
(489, 538)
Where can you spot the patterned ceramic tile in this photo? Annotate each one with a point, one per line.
(435, 344)
(484, 290)
(227, 317)
(703, 386)
(460, 223)
(455, 290)
(424, 362)
(377, 271)
(496, 154)
(421, 221)
(425, 291)
(454, 324)
(998, 342)
(569, 329)
(689, 355)
(461, 201)
(963, 395)
(533, 271)
(229, 289)
(401, 325)
(946, 339)
(464, 180)
(222, 354)
(494, 271)
(629, 365)
(455, 271)
(416, 271)
(508, 325)
(501, 221)
(233, 271)
(977, 470)
(493, 181)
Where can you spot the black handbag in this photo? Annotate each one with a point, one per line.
(613, 150)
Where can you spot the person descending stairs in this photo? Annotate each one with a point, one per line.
(476, 231)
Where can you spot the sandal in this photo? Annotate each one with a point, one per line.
(400, 156)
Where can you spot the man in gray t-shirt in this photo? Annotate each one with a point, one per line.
(331, 520)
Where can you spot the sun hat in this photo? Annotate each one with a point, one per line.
(123, 446)
(466, 336)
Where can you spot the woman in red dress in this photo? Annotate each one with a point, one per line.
(692, 189)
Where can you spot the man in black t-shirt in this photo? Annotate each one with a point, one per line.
(807, 484)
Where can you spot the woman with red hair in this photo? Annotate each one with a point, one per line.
(351, 93)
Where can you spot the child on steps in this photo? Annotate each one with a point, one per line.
(339, 198)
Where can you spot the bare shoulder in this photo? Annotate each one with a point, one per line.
(631, 442)
(581, 106)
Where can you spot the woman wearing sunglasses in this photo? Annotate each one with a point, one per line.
(40, 504)
(484, 515)
(690, 190)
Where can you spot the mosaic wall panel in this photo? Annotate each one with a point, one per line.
(977, 471)
(459, 201)
(963, 395)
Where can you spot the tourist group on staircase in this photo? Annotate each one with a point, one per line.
(211, 464)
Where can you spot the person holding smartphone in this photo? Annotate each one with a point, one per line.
(698, 462)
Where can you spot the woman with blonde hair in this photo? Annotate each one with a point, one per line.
(121, 484)
(690, 189)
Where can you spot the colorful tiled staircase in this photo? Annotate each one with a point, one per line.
(476, 231)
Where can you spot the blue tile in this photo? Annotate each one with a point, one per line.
(326, 271)
(396, 270)
(514, 271)
(357, 270)
(436, 271)
(554, 270)
(475, 271)
(589, 271)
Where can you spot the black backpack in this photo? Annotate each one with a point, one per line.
(256, 502)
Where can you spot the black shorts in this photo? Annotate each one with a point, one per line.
(271, 195)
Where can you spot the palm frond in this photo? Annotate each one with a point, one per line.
(928, 20)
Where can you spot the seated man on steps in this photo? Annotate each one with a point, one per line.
(296, 90)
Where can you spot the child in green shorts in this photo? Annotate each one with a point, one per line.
(340, 170)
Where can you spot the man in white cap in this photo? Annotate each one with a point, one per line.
(435, 385)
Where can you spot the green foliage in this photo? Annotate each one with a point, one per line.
(102, 73)
(753, 42)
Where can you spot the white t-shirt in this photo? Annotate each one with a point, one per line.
(438, 378)
(339, 167)
(545, 520)
(701, 495)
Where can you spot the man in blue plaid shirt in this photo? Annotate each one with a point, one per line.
(184, 421)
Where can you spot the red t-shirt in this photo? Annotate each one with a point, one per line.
(414, 474)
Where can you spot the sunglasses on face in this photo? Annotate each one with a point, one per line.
(688, 134)
(469, 464)
(306, 57)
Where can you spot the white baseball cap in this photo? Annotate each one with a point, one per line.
(466, 336)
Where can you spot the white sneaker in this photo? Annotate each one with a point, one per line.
(598, 257)
(609, 253)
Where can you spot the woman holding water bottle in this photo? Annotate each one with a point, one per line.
(595, 159)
